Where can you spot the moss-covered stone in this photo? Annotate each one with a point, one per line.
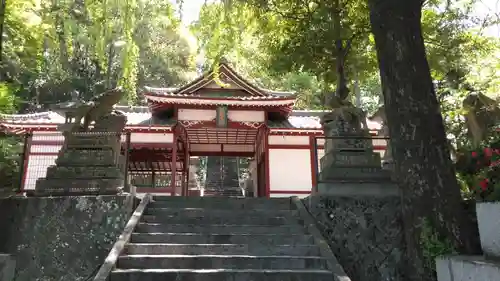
(61, 238)
(364, 233)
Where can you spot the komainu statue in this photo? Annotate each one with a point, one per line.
(481, 114)
(354, 118)
(90, 162)
(91, 111)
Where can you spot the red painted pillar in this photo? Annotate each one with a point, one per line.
(266, 163)
(173, 165)
(25, 159)
(314, 163)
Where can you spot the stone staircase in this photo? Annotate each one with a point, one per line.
(222, 177)
(221, 239)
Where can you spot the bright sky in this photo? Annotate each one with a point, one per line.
(191, 10)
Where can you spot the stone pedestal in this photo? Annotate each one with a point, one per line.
(350, 166)
(89, 163)
(466, 268)
(484, 268)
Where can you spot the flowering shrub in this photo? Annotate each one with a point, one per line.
(481, 169)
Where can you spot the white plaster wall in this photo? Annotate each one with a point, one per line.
(290, 170)
(37, 148)
(37, 168)
(134, 137)
(246, 116)
(379, 142)
(150, 138)
(288, 195)
(289, 140)
(196, 114)
(47, 136)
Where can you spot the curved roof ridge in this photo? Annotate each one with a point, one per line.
(161, 89)
(132, 109)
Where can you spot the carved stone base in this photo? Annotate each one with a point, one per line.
(358, 174)
(350, 144)
(64, 187)
(358, 188)
(88, 164)
(351, 159)
(82, 172)
(88, 157)
(91, 140)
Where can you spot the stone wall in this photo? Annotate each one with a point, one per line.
(365, 234)
(61, 238)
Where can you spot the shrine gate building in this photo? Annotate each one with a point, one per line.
(230, 117)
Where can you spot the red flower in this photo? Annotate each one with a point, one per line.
(488, 152)
(474, 154)
(484, 184)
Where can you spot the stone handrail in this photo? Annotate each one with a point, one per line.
(121, 242)
(308, 221)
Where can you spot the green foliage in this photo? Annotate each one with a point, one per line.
(52, 48)
(7, 98)
(10, 164)
(10, 147)
(276, 42)
(433, 245)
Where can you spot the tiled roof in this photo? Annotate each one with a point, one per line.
(200, 97)
(311, 119)
(172, 91)
(141, 115)
(41, 117)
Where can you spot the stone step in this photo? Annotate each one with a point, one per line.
(210, 220)
(220, 249)
(220, 262)
(196, 212)
(225, 192)
(221, 203)
(220, 275)
(250, 239)
(218, 229)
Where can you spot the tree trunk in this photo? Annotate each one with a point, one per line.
(342, 90)
(3, 6)
(425, 173)
(357, 91)
(109, 69)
